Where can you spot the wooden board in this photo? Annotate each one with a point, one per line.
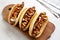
(46, 34)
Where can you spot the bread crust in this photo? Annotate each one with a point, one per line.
(20, 19)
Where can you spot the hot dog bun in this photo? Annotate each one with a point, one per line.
(43, 26)
(15, 13)
(26, 18)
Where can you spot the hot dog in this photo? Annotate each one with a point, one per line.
(15, 13)
(38, 25)
(26, 18)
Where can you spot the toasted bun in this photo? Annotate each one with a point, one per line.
(10, 13)
(32, 24)
(20, 20)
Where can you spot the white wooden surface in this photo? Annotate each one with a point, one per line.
(7, 32)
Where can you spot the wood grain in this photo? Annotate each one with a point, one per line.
(46, 34)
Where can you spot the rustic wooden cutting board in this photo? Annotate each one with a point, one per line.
(46, 34)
